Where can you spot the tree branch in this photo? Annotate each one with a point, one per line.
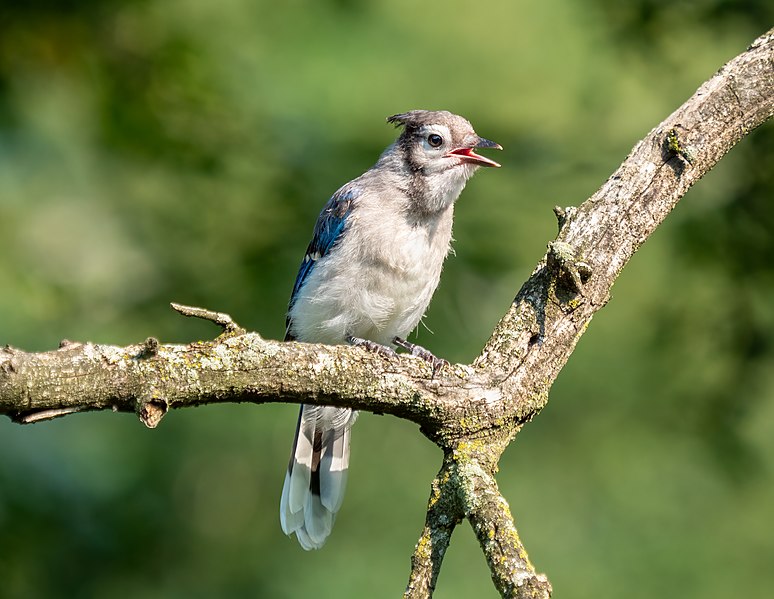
(472, 412)
(238, 368)
(533, 341)
(444, 512)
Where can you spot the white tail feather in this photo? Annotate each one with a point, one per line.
(333, 471)
(317, 474)
(300, 472)
(318, 520)
(290, 521)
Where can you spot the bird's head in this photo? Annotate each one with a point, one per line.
(438, 151)
(437, 140)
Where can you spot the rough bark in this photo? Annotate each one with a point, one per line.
(471, 411)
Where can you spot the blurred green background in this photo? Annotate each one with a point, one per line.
(181, 150)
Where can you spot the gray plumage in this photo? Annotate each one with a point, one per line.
(369, 273)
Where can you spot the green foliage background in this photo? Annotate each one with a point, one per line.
(180, 151)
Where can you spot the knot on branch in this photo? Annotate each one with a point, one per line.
(568, 268)
(675, 147)
(150, 348)
(563, 215)
(151, 411)
(6, 364)
(67, 344)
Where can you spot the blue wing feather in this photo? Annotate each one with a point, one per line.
(329, 227)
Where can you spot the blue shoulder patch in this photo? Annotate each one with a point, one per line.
(330, 225)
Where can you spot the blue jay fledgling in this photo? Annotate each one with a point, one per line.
(367, 277)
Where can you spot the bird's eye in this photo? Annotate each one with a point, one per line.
(434, 140)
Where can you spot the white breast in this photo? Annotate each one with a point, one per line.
(377, 282)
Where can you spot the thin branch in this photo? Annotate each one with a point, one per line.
(32, 417)
(221, 319)
(444, 512)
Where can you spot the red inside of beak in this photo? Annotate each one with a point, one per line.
(468, 155)
(468, 152)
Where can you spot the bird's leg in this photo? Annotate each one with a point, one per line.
(421, 352)
(372, 346)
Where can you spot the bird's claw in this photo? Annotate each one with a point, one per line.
(420, 352)
(373, 346)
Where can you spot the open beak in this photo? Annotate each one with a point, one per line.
(468, 155)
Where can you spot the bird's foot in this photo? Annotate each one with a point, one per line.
(421, 352)
(373, 346)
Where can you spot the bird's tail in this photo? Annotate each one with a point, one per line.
(317, 474)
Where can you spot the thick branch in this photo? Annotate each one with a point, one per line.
(509, 381)
(535, 338)
(232, 368)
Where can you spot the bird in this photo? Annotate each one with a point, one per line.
(366, 279)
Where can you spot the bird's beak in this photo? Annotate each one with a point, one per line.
(468, 155)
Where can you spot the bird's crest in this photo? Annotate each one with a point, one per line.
(416, 118)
